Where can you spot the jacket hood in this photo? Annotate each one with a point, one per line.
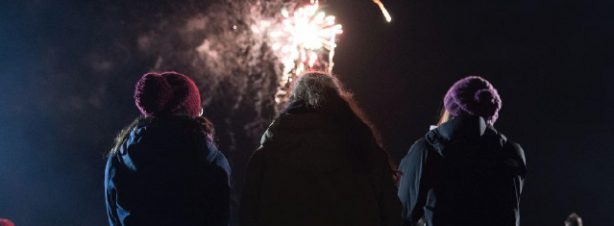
(155, 139)
(471, 142)
(462, 129)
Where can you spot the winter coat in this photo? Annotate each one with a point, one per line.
(167, 172)
(318, 168)
(462, 173)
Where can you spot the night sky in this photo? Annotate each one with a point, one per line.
(69, 68)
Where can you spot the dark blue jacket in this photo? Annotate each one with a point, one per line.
(167, 172)
(462, 173)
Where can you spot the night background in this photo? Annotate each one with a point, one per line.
(68, 70)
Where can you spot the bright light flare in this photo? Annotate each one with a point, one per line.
(303, 39)
(384, 10)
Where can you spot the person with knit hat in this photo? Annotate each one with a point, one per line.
(164, 168)
(464, 171)
(6, 222)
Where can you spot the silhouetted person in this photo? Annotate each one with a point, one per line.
(573, 220)
(165, 168)
(464, 172)
(319, 164)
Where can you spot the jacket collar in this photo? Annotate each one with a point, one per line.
(463, 127)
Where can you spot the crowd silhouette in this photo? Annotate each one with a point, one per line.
(320, 162)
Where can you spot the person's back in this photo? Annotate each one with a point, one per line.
(463, 172)
(165, 169)
(167, 173)
(310, 171)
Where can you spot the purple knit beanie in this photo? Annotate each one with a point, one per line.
(167, 93)
(473, 95)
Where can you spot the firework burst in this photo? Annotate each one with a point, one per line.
(303, 38)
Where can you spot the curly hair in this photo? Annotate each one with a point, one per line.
(321, 90)
(317, 89)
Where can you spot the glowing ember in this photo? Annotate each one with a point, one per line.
(303, 39)
(384, 10)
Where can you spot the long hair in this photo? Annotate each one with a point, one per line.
(444, 116)
(123, 135)
(206, 127)
(320, 90)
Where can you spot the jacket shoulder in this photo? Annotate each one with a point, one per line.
(420, 145)
(516, 150)
(516, 158)
(216, 157)
(268, 134)
(511, 147)
(416, 152)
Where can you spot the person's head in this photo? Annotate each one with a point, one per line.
(317, 90)
(320, 90)
(161, 95)
(6, 222)
(474, 96)
(573, 220)
(166, 94)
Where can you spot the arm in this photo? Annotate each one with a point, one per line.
(389, 205)
(412, 186)
(250, 198)
(518, 164)
(248, 210)
(110, 193)
(523, 168)
(220, 188)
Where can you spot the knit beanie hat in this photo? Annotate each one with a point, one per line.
(6, 222)
(167, 93)
(473, 95)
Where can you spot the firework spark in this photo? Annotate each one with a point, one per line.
(303, 38)
(384, 10)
